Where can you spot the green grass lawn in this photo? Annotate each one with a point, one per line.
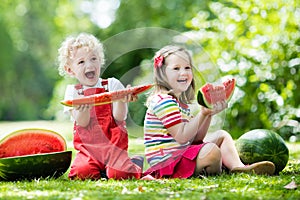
(224, 186)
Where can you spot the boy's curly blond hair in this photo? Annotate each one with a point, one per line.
(72, 43)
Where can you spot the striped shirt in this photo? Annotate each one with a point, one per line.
(164, 111)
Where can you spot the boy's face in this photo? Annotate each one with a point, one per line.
(179, 73)
(85, 66)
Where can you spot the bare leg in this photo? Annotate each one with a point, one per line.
(209, 159)
(231, 159)
(224, 141)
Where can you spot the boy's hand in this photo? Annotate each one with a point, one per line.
(83, 108)
(129, 97)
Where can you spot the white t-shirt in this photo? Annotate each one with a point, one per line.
(71, 92)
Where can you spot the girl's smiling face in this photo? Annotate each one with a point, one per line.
(179, 73)
(85, 66)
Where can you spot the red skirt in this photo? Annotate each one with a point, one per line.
(182, 167)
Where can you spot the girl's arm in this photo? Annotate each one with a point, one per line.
(197, 127)
(203, 129)
(187, 131)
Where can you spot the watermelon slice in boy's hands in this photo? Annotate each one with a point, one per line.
(107, 97)
(209, 94)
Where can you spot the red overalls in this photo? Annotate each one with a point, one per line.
(102, 145)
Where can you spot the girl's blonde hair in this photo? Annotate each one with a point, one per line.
(160, 79)
(72, 43)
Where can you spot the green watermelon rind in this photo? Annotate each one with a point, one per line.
(250, 148)
(47, 165)
(202, 101)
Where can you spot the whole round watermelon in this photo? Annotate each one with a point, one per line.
(263, 145)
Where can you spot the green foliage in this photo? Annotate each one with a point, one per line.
(27, 81)
(30, 35)
(258, 44)
(133, 14)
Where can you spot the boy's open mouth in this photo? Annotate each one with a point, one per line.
(182, 81)
(90, 75)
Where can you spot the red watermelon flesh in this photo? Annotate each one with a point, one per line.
(229, 88)
(209, 94)
(107, 97)
(31, 141)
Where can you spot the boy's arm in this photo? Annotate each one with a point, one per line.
(81, 115)
(119, 108)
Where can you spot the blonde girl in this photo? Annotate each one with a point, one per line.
(177, 144)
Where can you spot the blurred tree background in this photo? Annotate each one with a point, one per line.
(256, 42)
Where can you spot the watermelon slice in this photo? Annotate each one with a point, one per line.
(107, 97)
(33, 153)
(209, 94)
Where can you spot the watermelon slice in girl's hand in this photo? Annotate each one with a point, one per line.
(209, 94)
(107, 97)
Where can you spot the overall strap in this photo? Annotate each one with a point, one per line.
(80, 91)
(79, 88)
(104, 84)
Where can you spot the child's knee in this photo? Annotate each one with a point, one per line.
(210, 159)
(84, 171)
(214, 162)
(122, 174)
(224, 134)
(210, 151)
(214, 155)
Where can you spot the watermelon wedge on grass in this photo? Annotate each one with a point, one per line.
(33, 153)
(209, 93)
(107, 97)
(263, 145)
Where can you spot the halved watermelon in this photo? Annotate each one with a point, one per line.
(210, 94)
(33, 153)
(31, 141)
(263, 145)
(107, 97)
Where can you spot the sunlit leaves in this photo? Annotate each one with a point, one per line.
(259, 41)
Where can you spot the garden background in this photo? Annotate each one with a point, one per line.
(256, 42)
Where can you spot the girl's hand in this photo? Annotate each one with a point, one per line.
(217, 107)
